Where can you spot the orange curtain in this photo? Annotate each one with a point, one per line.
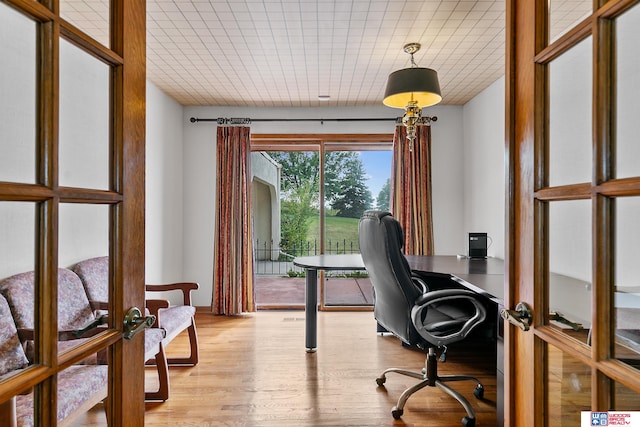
(411, 189)
(233, 272)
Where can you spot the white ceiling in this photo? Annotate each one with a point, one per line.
(267, 53)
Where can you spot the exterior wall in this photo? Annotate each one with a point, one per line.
(266, 204)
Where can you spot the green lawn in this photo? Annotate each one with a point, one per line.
(337, 229)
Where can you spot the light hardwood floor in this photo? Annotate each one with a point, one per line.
(254, 371)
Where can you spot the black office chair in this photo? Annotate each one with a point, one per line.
(404, 306)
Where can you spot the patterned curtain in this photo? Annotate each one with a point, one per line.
(233, 272)
(411, 189)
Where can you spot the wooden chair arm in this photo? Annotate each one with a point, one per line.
(66, 335)
(154, 306)
(98, 305)
(184, 287)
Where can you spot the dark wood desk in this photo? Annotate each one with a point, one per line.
(312, 264)
(482, 275)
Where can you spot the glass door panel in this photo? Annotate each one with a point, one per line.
(354, 181)
(91, 16)
(17, 96)
(625, 399)
(76, 222)
(627, 93)
(570, 135)
(627, 281)
(564, 15)
(84, 119)
(570, 267)
(569, 388)
(285, 203)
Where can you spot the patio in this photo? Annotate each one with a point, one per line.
(285, 292)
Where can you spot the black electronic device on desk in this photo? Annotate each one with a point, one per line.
(478, 245)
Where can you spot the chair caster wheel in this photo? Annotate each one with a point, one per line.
(478, 392)
(396, 413)
(469, 422)
(380, 381)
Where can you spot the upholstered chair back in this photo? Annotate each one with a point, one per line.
(12, 356)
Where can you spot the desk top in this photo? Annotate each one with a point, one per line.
(330, 262)
(482, 275)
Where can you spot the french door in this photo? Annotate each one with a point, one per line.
(72, 113)
(573, 200)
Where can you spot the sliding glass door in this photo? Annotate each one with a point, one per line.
(308, 197)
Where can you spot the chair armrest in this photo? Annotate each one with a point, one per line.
(184, 287)
(420, 283)
(154, 306)
(447, 296)
(98, 305)
(66, 335)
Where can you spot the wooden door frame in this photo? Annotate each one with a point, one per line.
(125, 196)
(528, 194)
(519, 122)
(126, 382)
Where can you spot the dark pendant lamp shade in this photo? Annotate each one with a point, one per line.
(412, 84)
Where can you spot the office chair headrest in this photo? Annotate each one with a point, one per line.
(379, 217)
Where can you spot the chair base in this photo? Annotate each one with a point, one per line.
(430, 378)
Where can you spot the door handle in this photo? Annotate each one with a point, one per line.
(559, 317)
(135, 322)
(100, 320)
(520, 317)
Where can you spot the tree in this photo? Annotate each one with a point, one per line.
(382, 202)
(302, 169)
(344, 189)
(353, 196)
(294, 217)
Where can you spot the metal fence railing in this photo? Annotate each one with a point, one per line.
(273, 260)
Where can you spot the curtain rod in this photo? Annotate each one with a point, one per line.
(247, 120)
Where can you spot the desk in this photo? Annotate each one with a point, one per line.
(312, 264)
(482, 275)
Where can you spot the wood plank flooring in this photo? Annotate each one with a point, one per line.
(254, 371)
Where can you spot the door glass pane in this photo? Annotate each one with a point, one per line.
(570, 267)
(83, 237)
(90, 16)
(566, 14)
(627, 284)
(285, 203)
(627, 93)
(570, 103)
(84, 119)
(17, 96)
(625, 399)
(17, 251)
(80, 387)
(568, 388)
(17, 296)
(354, 181)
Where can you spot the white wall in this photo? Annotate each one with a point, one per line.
(199, 171)
(164, 189)
(484, 168)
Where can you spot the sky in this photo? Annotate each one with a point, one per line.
(378, 167)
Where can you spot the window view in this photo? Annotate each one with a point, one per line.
(304, 206)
